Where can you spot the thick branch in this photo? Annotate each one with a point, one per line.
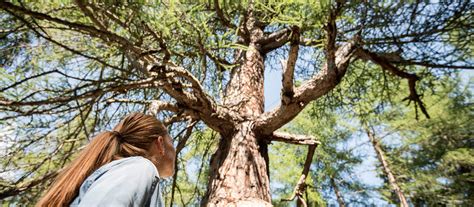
(170, 80)
(193, 97)
(294, 139)
(289, 68)
(319, 85)
(275, 40)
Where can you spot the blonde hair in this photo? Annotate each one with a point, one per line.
(133, 136)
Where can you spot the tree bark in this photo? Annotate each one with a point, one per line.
(238, 172)
(386, 169)
(339, 197)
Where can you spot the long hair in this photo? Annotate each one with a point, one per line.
(133, 136)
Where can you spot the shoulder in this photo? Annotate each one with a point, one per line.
(126, 172)
(136, 165)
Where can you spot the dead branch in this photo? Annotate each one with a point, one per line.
(300, 187)
(299, 140)
(384, 63)
(181, 144)
(294, 139)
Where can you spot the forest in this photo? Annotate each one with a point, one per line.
(269, 103)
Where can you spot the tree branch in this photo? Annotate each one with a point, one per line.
(83, 7)
(384, 63)
(216, 117)
(89, 94)
(74, 51)
(300, 187)
(90, 30)
(27, 185)
(328, 77)
(319, 85)
(434, 65)
(181, 144)
(293, 139)
(169, 75)
(224, 19)
(279, 38)
(289, 67)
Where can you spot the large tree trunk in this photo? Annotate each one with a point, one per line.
(386, 169)
(239, 171)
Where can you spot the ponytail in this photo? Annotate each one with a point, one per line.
(102, 150)
(133, 136)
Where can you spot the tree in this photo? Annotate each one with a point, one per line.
(387, 169)
(330, 178)
(433, 160)
(78, 66)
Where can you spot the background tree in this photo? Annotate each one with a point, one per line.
(434, 158)
(75, 68)
(331, 178)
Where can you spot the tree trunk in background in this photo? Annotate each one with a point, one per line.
(238, 170)
(386, 169)
(340, 200)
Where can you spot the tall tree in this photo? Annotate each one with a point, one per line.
(78, 66)
(331, 177)
(386, 168)
(434, 159)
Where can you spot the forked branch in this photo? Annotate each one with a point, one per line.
(319, 85)
(301, 140)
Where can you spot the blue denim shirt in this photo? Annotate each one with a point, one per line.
(131, 181)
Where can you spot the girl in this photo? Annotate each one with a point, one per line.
(118, 168)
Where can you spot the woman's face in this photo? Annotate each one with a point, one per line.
(165, 154)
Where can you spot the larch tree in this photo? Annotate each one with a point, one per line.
(71, 68)
(432, 160)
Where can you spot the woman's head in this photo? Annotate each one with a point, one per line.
(136, 135)
(143, 135)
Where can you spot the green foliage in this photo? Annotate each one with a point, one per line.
(433, 158)
(333, 159)
(43, 60)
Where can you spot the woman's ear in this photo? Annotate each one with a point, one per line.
(160, 145)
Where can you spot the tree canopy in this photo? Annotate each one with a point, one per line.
(70, 69)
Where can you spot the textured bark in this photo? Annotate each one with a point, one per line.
(386, 169)
(239, 172)
(339, 197)
(244, 93)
